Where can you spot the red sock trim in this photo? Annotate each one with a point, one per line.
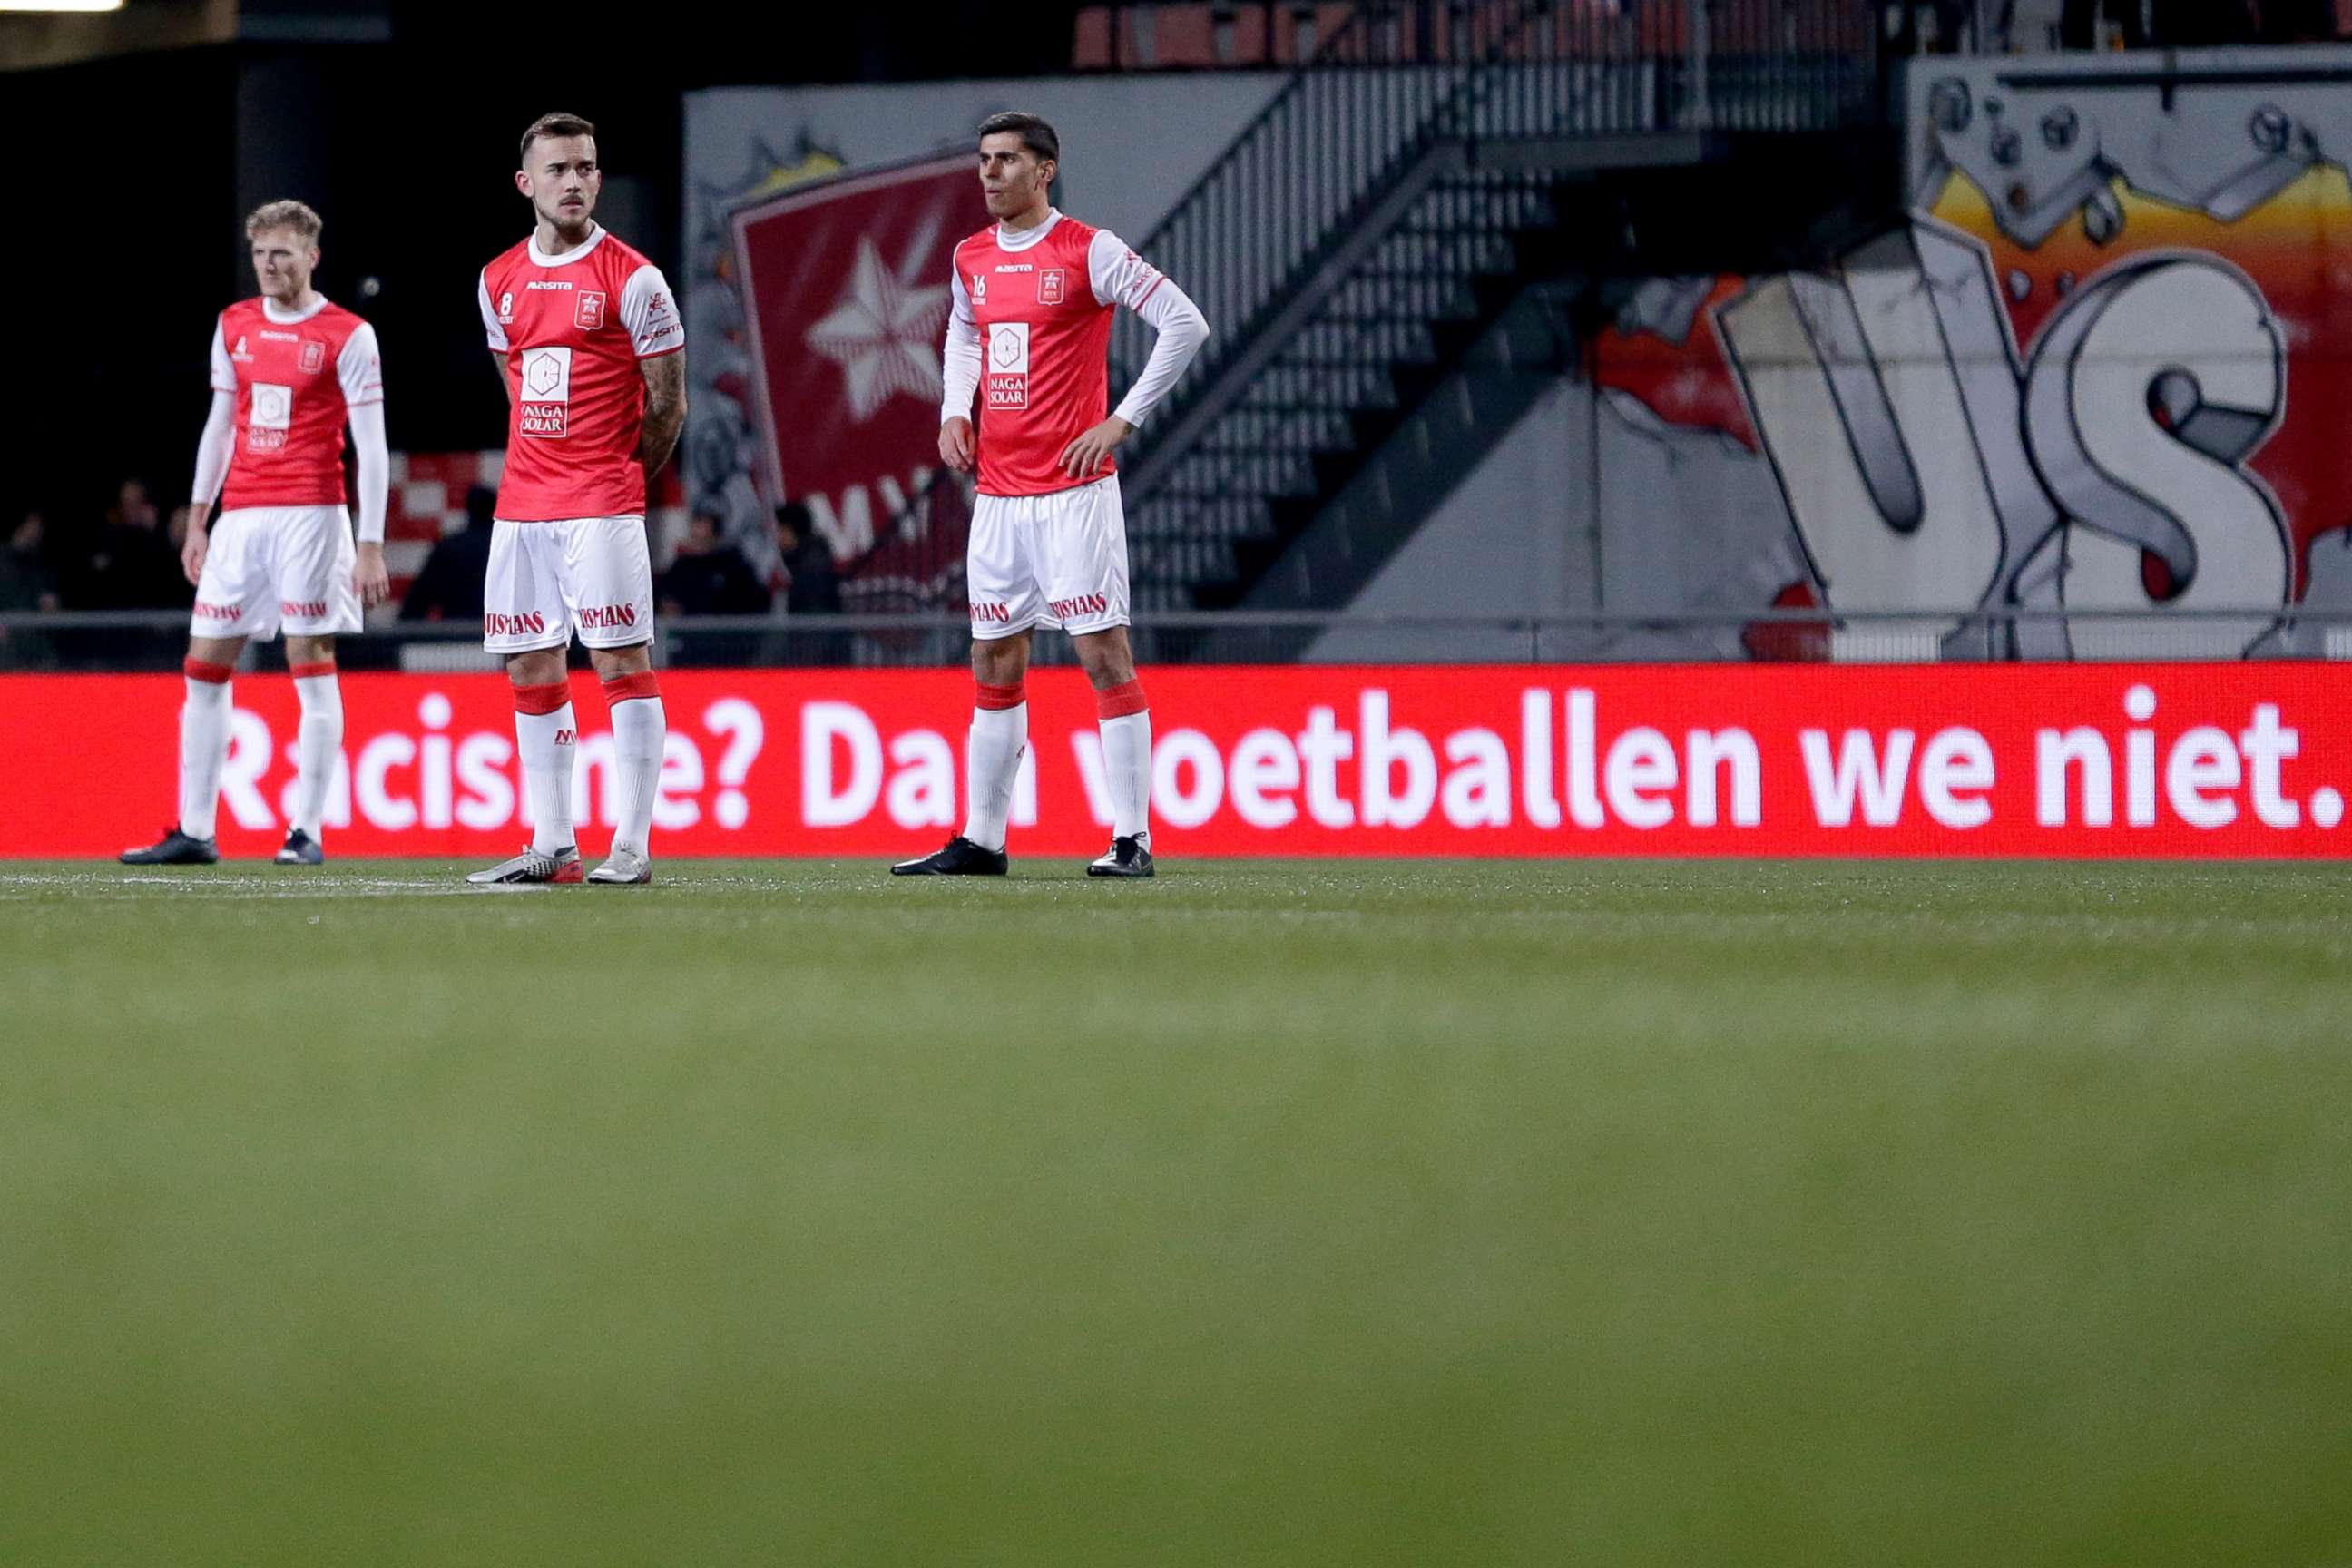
(205, 670)
(1120, 700)
(309, 672)
(541, 700)
(631, 688)
(996, 698)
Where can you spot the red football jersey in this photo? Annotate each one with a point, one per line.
(1044, 315)
(297, 377)
(572, 329)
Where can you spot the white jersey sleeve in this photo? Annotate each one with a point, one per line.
(375, 465)
(1122, 278)
(360, 367)
(224, 372)
(649, 311)
(960, 357)
(215, 447)
(490, 325)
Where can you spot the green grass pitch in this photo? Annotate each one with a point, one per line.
(1272, 1214)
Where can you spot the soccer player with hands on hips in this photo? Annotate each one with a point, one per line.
(289, 371)
(590, 343)
(1028, 336)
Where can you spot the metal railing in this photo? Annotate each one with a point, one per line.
(155, 640)
(1401, 76)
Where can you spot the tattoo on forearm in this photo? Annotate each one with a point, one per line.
(665, 410)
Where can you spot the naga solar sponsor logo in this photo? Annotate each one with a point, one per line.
(531, 623)
(543, 408)
(1084, 605)
(268, 416)
(1008, 365)
(594, 617)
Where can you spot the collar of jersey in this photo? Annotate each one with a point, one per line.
(540, 258)
(1006, 240)
(278, 317)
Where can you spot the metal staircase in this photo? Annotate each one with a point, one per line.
(1374, 219)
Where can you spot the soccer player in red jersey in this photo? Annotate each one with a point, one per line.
(1028, 331)
(289, 370)
(590, 344)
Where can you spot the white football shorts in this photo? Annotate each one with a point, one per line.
(273, 568)
(1055, 560)
(548, 580)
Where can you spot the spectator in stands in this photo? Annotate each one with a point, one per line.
(29, 580)
(811, 585)
(709, 575)
(449, 588)
(130, 565)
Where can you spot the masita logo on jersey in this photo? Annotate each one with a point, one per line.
(546, 392)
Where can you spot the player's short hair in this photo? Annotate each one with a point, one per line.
(555, 125)
(296, 215)
(1034, 133)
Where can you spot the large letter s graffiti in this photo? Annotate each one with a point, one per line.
(2142, 399)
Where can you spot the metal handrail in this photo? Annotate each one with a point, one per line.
(1326, 620)
(1396, 77)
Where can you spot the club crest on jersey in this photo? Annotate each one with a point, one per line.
(588, 309)
(314, 356)
(1049, 286)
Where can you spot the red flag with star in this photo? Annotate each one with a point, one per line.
(845, 283)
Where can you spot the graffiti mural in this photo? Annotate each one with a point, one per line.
(2097, 375)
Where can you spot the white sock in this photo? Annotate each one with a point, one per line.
(548, 742)
(317, 743)
(993, 760)
(638, 726)
(1127, 759)
(204, 749)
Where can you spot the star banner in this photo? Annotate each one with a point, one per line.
(846, 281)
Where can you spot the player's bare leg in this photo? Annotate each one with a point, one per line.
(547, 738)
(1125, 722)
(639, 727)
(204, 749)
(1000, 734)
(318, 742)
